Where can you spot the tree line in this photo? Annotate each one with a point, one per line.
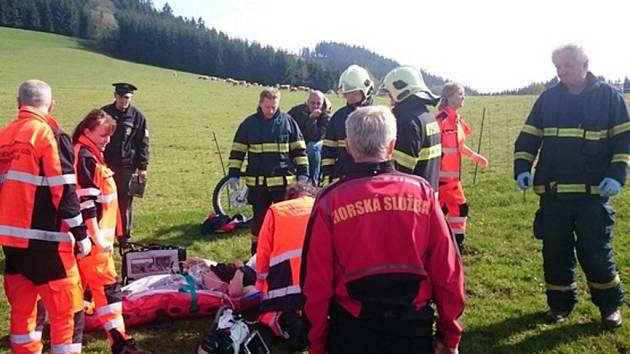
(134, 30)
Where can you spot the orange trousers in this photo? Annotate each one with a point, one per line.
(62, 300)
(455, 207)
(98, 273)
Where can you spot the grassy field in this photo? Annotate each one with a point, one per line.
(504, 270)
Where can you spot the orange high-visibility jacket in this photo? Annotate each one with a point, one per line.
(37, 184)
(279, 254)
(454, 131)
(96, 189)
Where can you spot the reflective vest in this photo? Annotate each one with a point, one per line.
(279, 254)
(37, 183)
(453, 130)
(96, 189)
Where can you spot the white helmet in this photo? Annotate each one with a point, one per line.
(405, 81)
(355, 78)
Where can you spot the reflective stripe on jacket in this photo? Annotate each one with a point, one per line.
(274, 148)
(96, 189)
(279, 254)
(37, 184)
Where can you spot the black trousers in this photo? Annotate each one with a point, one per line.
(350, 335)
(261, 199)
(122, 176)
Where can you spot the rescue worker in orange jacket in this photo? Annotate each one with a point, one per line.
(377, 253)
(454, 131)
(96, 190)
(40, 226)
(278, 262)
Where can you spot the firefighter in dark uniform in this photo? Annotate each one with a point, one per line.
(128, 151)
(276, 156)
(580, 131)
(418, 148)
(377, 254)
(358, 89)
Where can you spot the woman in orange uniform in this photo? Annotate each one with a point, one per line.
(454, 130)
(99, 206)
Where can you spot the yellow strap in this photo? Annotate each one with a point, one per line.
(524, 156)
(239, 147)
(532, 130)
(622, 158)
(431, 152)
(603, 286)
(620, 128)
(328, 162)
(235, 163)
(569, 287)
(330, 143)
(405, 160)
(300, 160)
(299, 144)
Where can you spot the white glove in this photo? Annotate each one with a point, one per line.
(83, 247)
(103, 244)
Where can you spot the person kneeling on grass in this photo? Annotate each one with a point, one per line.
(278, 262)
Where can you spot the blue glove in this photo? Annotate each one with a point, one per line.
(609, 187)
(302, 178)
(233, 182)
(524, 180)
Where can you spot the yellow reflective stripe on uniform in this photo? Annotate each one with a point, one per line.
(431, 152)
(524, 156)
(604, 286)
(570, 132)
(250, 181)
(620, 128)
(532, 130)
(300, 160)
(550, 131)
(330, 143)
(239, 147)
(569, 287)
(568, 188)
(433, 128)
(595, 134)
(341, 143)
(268, 147)
(331, 162)
(234, 163)
(623, 158)
(405, 160)
(299, 144)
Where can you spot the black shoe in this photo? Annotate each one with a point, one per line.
(125, 346)
(553, 316)
(611, 318)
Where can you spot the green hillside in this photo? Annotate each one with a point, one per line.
(504, 272)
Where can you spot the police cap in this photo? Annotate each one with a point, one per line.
(123, 88)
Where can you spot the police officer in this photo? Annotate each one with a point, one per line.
(580, 131)
(418, 148)
(357, 89)
(38, 204)
(128, 152)
(276, 156)
(377, 253)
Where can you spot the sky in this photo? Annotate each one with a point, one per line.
(485, 44)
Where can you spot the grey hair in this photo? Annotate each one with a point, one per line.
(370, 129)
(447, 91)
(576, 52)
(35, 93)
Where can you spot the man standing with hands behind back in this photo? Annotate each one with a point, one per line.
(128, 151)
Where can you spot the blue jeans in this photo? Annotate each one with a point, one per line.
(314, 152)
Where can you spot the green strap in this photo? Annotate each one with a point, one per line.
(190, 288)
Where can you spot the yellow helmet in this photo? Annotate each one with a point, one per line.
(405, 81)
(356, 78)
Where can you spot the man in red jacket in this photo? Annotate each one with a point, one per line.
(377, 251)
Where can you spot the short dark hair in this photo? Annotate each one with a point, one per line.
(270, 93)
(301, 189)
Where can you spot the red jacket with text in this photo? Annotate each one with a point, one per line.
(377, 244)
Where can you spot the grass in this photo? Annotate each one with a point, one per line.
(504, 272)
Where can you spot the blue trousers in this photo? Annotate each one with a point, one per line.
(582, 227)
(314, 152)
